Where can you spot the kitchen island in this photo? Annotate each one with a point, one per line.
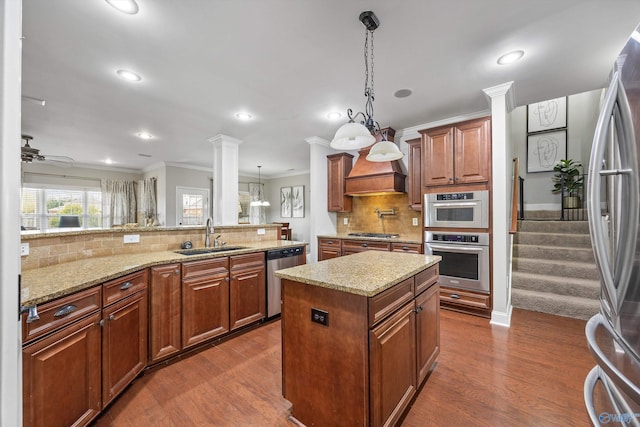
(360, 333)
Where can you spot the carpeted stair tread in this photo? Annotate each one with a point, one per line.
(566, 227)
(553, 239)
(561, 305)
(557, 268)
(554, 252)
(556, 285)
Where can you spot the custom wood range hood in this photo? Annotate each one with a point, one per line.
(370, 178)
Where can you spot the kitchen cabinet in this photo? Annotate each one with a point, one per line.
(466, 301)
(205, 300)
(414, 174)
(329, 248)
(457, 154)
(354, 246)
(247, 294)
(165, 312)
(427, 330)
(338, 168)
(412, 248)
(61, 367)
(124, 333)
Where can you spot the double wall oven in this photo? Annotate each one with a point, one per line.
(465, 254)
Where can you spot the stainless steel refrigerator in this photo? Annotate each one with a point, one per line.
(612, 388)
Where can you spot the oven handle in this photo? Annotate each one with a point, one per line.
(457, 248)
(455, 205)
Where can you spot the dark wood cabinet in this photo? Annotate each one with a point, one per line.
(354, 246)
(247, 294)
(466, 301)
(205, 300)
(338, 168)
(457, 154)
(165, 311)
(411, 248)
(329, 248)
(334, 247)
(427, 330)
(392, 366)
(414, 174)
(61, 376)
(124, 343)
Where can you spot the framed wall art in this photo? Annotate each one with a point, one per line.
(297, 201)
(545, 149)
(547, 115)
(285, 202)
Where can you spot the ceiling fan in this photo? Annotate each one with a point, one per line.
(28, 154)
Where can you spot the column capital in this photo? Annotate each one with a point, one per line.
(505, 90)
(220, 139)
(317, 140)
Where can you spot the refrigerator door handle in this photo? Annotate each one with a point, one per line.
(624, 413)
(613, 373)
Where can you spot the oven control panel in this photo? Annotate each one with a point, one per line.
(455, 238)
(454, 196)
(476, 239)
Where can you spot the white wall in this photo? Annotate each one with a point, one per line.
(177, 176)
(77, 176)
(299, 226)
(582, 114)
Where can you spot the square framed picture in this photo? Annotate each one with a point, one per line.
(285, 202)
(297, 201)
(546, 149)
(547, 115)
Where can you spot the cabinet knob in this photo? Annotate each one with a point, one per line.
(364, 245)
(112, 317)
(450, 179)
(457, 178)
(177, 271)
(455, 296)
(226, 278)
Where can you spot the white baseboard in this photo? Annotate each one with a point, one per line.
(502, 318)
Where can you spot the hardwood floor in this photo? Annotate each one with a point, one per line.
(528, 375)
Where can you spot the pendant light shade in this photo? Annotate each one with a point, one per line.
(384, 151)
(352, 136)
(260, 201)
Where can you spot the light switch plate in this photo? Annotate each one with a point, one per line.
(415, 221)
(345, 221)
(260, 231)
(131, 238)
(24, 249)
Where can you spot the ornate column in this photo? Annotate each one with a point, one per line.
(225, 179)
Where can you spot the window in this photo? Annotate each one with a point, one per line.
(42, 208)
(192, 206)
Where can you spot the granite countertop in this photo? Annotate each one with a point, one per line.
(365, 273)
(400, 239)
(44, 284)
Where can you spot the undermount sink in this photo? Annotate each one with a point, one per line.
(200, 251)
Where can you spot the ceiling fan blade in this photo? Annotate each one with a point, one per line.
(61, 161)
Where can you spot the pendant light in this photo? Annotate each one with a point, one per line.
(260, 201)
(352, 135)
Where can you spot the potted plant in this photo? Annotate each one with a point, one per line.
(570, 172)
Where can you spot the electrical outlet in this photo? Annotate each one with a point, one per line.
(260, 231)
(131, 238)
(345, 221)
(24, 249)
(415, 221)
(320, 316)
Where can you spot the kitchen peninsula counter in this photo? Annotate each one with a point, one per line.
(360, 333)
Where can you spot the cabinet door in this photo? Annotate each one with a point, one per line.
(61, 376)
(427, 330)
(473, 151)
(438, 156)
(414, 177)
(338, 168)
(165, 311)
(392, 358)
(124, 344)
(205, 307)
(247, 298)
(410, 248)
(325, 252)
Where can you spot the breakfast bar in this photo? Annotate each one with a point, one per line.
(360, 333)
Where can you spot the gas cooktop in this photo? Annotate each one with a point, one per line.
(378, 235)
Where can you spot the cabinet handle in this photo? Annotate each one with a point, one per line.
(67, 309)
(457, 178)
(101, 322)
(418, 309)
(405, 248)
(364, 245)
(125, 286)
(330, 242)
(112, 317)
(455, 296)
(450, 179)
(177, 271)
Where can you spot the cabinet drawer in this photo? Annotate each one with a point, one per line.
(385, 303)
(246, 261)
(466, 298)
(335, 243)
(207, 267)
(412, 248)
(61, 312)
(364, 245)
(426, 278)
(120, 288)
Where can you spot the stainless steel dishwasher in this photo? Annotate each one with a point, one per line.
(279, 259)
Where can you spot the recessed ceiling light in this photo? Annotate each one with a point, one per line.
(510, 57)
(244, 116)
(334, 115)
(402, 93)
(108, 161)
(144, 135)
(125, 6)
(128, 75)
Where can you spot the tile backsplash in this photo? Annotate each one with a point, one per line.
(363, 217)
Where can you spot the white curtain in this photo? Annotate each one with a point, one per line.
(257, 214)
(149, 202)
(120, 204)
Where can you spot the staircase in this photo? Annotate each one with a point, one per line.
(554, 270)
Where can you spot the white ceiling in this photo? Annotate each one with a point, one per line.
(289, 63)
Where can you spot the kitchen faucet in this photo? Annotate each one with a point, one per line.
(387, 212)
(207, 233)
